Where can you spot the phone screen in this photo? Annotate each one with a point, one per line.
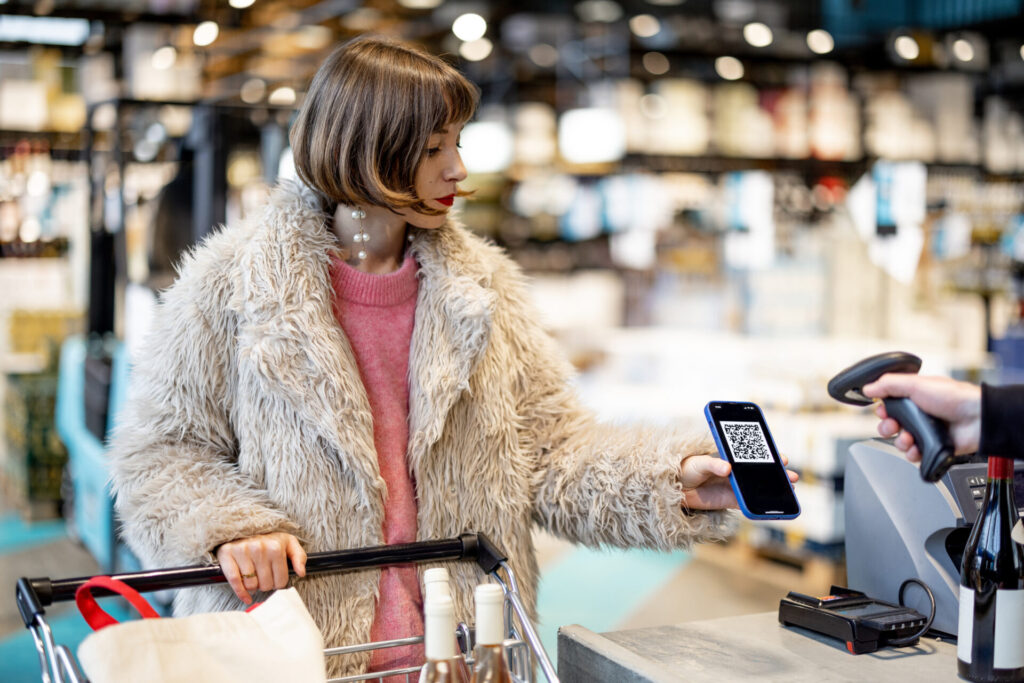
(757, 470)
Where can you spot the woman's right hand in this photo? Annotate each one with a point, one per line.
(260, 562)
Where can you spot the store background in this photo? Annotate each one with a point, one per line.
(719, 199)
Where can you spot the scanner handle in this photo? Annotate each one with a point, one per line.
(931, 436)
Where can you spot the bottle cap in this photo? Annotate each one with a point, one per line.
(435, 574)
(435, 582)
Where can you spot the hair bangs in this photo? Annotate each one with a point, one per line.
(448, 98)
(460, 97)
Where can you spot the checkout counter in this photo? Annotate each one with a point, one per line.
(754, 647)
(897, 527)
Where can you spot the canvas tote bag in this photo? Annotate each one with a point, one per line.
(276, 640)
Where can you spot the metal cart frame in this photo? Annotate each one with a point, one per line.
(526, 652)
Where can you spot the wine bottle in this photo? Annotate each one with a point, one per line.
(437, 582)
(990, 637)
(489, 662)
(444, 664)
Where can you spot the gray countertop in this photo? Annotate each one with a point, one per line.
(746, 648)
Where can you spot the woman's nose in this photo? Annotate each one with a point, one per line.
(456, 170)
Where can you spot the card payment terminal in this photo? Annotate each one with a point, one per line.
(864, 623)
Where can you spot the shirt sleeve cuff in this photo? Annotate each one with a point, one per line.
(1002, 411)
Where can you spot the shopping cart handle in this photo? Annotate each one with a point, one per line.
(28, 602)
(488, 556)
(33, 594)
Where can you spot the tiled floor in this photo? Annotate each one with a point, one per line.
(600, 590)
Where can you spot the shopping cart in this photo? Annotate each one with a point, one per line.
(526, 653)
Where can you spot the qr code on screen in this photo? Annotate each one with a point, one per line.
(747, 442)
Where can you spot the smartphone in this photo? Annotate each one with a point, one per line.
(758, 477)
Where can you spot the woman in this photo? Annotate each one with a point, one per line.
(351, 368)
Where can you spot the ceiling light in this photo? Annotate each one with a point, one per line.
(729, 68)
(963, 50)
(606, 11)
(43, 30)
(907, 48)
(241, 4)
(420, 4)
(283, 96)
(820, 41)
(656, 63)
(469, 27)
(644, 25)
(543, 55)
(164, 57)
(758, 34)
(205, 33)
(253, 90)
(475, 50)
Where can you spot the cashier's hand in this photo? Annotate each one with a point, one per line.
(260, 563)
(958, 403)
(706, 483)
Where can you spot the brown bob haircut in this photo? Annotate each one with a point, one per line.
(367, 119)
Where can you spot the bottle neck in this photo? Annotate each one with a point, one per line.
(439, 630)
(1000, 468)
(490, 623)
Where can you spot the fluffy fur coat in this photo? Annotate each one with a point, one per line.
(247, 415)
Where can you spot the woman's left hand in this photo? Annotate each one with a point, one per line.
(706, 483)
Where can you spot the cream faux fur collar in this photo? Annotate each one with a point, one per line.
(288, 330)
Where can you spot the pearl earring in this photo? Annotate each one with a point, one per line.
(360, 237)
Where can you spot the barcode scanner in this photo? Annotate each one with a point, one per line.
(931, 435)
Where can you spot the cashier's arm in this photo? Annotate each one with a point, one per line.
(706, 483)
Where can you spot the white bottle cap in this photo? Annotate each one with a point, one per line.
(435, 582)
(439, 628)
(490, 618)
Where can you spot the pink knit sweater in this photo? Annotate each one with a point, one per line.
(377, 314)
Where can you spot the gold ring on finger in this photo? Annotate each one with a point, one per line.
(249, 576)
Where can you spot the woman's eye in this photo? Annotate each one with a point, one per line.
(431, 151)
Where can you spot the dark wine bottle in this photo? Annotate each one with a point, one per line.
(990, 636)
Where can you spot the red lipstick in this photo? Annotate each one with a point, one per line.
(447, 201)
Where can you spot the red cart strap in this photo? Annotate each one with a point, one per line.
(94, 614)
